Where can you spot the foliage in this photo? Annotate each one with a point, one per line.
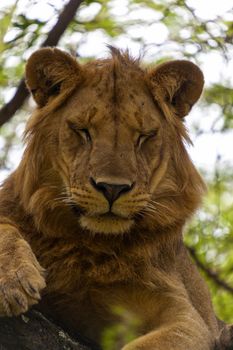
(159, 29)
(122, 332)
(211, 233)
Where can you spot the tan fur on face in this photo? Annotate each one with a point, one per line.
(100, 254)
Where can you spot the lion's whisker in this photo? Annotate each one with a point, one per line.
(153, 203)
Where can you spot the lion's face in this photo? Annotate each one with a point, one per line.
(114, 147)
(111, 150)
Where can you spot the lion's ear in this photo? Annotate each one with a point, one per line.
(178, 84)
(50, 72)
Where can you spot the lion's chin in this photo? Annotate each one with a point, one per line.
(106, 224)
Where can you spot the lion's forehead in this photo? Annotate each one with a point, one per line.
(111, 96)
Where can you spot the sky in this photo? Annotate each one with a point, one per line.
(208, 146)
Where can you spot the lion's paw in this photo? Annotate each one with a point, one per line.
(20, 287)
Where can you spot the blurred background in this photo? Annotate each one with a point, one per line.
(157, 30)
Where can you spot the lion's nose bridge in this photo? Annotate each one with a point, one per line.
(113, 167)
(115, 170)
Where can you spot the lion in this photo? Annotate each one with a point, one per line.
(93, 216)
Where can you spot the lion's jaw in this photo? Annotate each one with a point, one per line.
(106, 224)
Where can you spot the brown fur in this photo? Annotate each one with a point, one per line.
(94, 260)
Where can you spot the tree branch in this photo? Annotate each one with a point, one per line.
(211, 274)
(66, 16)
(33, 331)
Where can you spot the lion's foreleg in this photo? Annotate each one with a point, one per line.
(177, 326)
(21, 276)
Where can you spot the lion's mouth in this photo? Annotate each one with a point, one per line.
(76, 210)
(105, 223)
(109, 215)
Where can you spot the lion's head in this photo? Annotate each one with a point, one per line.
(105, 146)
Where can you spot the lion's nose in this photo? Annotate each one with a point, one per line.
(111, 191)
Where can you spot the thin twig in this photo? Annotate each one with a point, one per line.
(210, 273)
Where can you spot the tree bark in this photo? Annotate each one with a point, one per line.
(66, 16)
(33, 331)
